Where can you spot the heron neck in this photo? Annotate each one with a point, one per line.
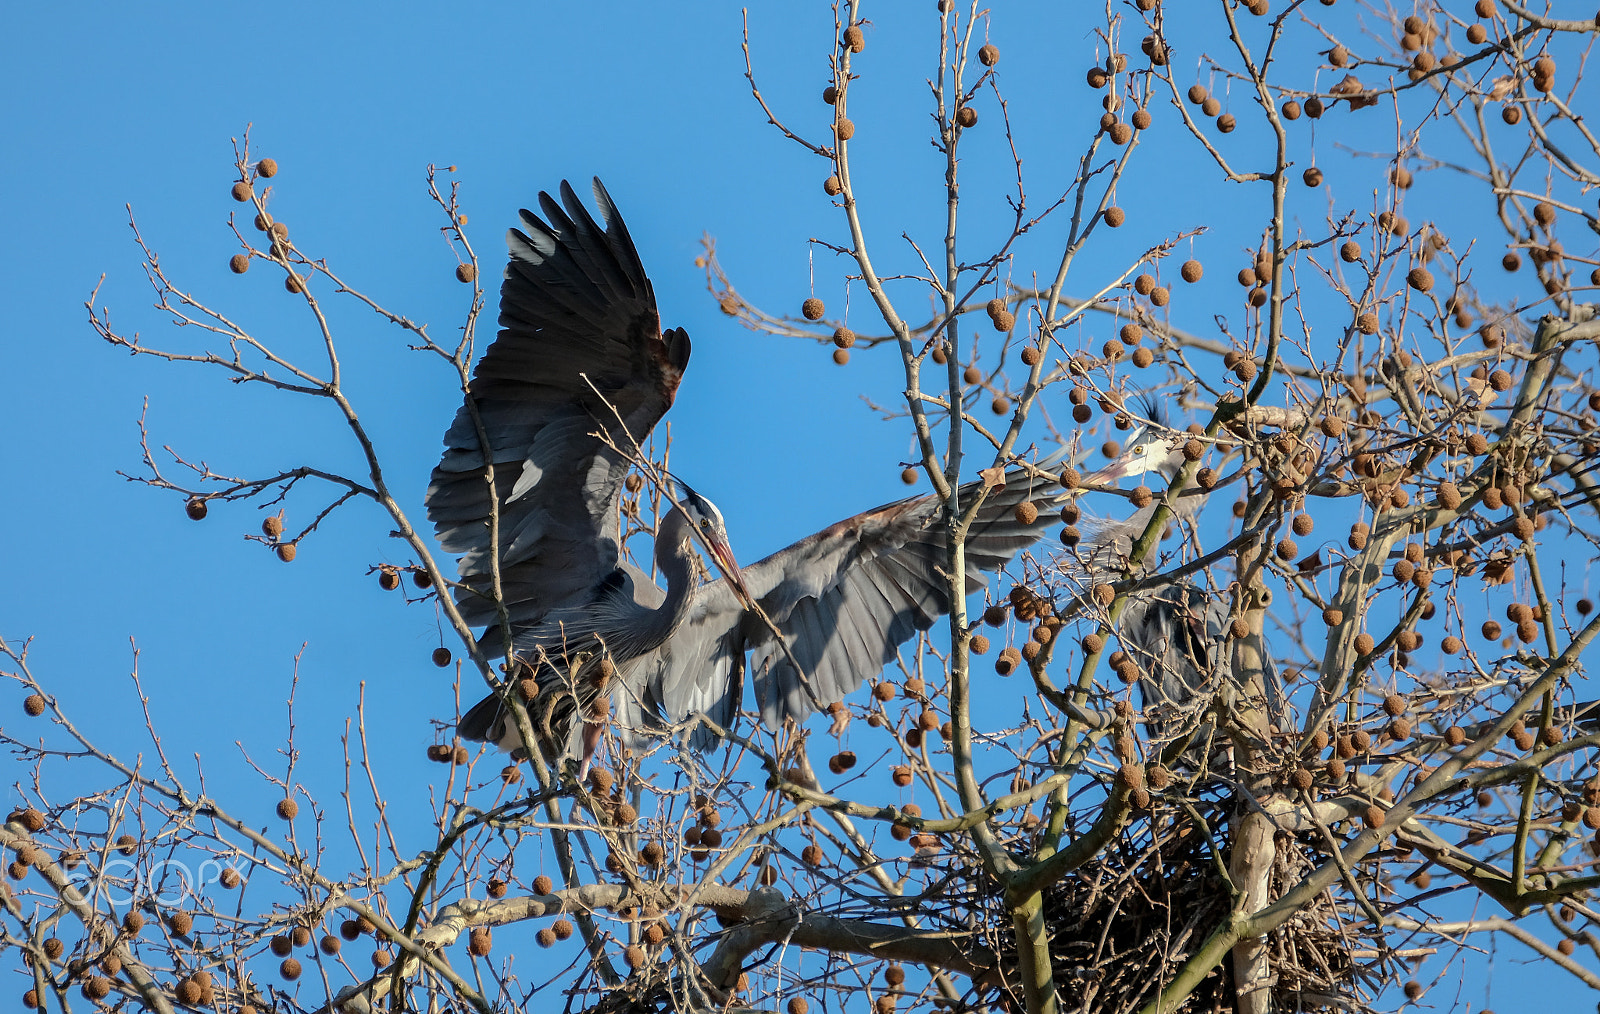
(673, 553)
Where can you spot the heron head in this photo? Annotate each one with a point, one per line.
(705, 521)
(1149, 450)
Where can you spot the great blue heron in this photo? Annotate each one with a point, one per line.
(579, 374)
(1176, 632)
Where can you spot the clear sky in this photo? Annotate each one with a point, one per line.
(135, 104)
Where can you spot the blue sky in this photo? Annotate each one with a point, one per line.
(114, 105)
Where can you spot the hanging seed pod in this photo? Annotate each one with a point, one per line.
(1114, 217)
(988, 55)
(966, 117)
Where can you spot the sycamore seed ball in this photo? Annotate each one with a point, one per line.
(241, 191)
(441, 657)
(239, 264)
(812, 309)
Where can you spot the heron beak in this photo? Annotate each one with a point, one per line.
(730, 567)
(1111, 473)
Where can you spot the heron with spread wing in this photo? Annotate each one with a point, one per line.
(579, 374)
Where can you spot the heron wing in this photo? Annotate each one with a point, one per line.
(580, 354)
(844, 599)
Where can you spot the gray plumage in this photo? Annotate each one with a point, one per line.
(1177, 632)
(577, 310)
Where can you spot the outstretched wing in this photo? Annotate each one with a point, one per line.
(845, 599)
(580, 345)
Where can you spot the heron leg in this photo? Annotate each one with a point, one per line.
(593, 736)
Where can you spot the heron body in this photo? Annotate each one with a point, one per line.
(579, 374)
(1176, 631)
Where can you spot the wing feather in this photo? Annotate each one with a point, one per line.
(580, 343)
(844, 599)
